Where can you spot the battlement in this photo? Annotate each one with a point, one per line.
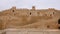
(33, 11)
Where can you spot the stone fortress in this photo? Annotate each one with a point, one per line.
(30, 18)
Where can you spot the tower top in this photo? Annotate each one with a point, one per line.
(14, 7)
(33, 7)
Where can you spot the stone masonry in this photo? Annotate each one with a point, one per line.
(29, 18)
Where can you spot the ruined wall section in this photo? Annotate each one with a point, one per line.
(20, 17)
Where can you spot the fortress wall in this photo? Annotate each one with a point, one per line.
(13, 11)
(16, 18)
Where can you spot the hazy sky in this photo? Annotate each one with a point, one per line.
(42, 4)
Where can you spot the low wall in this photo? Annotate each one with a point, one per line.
(30, 31)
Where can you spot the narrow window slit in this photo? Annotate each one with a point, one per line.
(48, 26)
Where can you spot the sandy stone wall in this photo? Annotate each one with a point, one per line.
(30, 18)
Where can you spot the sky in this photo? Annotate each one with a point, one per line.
(39, 4)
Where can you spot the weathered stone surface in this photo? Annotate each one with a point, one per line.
(29, 18)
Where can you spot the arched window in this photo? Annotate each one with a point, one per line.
(13, 10)
(59, 21)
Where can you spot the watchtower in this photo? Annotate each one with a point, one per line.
(33, 7)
